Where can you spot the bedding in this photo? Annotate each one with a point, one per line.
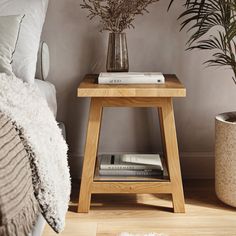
(48, 90)
(39, 227)
(9, 28)
(19, 215)
(25, 56)
(47, 150)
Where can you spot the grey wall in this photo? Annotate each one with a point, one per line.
(155, 44)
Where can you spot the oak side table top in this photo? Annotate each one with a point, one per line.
(89, 87)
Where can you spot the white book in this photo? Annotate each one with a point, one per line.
(115, 162)
(145, 159)
(131, 78)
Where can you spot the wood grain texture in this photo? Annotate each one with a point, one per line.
(131, 101)
(99, 178)
(131, 187)
(90, 88)
(92, 140)
(172, 155)
(142, 213)
(160, 116)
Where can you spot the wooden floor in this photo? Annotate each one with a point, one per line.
(139, 214)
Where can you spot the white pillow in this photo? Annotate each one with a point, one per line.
(25, 56)
(9, 31)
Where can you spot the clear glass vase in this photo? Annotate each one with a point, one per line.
(117, 54)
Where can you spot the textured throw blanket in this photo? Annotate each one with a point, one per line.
(18, 206)
(44, 144)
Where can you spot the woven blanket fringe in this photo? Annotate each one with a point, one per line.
(24, 222)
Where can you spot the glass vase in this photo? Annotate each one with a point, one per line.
(117, 54)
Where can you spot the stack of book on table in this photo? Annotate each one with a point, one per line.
(131, 78)
(131, 165)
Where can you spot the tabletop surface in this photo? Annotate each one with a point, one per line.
(89, 87)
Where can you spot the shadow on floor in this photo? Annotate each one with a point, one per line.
(200, 192)
(197, 192)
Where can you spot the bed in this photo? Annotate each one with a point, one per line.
(34, 174)
(48, 90)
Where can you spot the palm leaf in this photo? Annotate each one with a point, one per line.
(202, 18)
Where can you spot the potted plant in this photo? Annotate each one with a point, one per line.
(116, 16)
(213, 27)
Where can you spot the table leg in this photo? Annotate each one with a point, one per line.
(172, 155)
(91, 147)
(162, 131)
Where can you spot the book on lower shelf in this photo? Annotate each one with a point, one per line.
(131, 165)
(131, 78)
(152, 173)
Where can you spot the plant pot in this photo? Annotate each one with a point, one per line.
(225, 158)
(117, 54)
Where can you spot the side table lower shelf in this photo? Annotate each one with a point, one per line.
(99, 178)
(129, 179)
(130, 184)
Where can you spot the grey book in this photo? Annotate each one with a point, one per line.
(157, 173)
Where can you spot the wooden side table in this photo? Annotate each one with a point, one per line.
(157, 96)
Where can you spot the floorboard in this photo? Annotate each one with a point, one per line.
(140, 214)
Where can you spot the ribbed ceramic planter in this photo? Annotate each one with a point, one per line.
(225, 158)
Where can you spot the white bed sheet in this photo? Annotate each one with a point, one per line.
(48, 90)
(39, 227)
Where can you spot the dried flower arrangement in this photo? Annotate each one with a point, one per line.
(116, 15)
